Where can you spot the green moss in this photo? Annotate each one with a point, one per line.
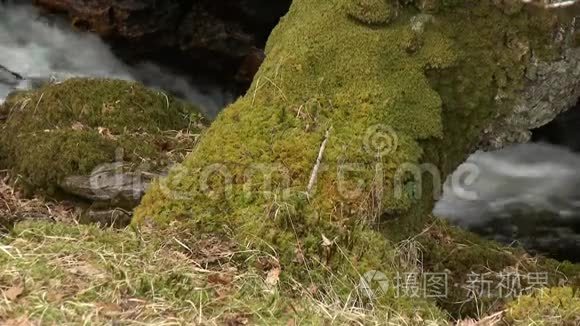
(381, 98)
(70, 128)
(371, 11)
(477, 270)
(552, 306)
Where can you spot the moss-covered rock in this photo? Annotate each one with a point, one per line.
(372, 11)
(552, 306)
(72, 127)
(340, 118)
(485, 276)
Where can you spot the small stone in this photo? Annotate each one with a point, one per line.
(108, 217)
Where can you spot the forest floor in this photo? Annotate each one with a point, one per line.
(56, 271)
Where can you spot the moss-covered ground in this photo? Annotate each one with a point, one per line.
(550, 306)
(55, 271)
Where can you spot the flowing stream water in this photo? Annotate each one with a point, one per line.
(528, 193)
(35, 48)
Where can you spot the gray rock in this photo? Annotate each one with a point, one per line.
(107, 217)
(8, 77)
(550, 89)
(9, 82)
(109, 183)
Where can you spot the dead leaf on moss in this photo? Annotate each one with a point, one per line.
(220, 278)
(273, 276)
(492, 320)
(77, 126)
(313, 289)
(237, 320)
(85, 269)
(105, 132)
(17, 322)
(212, 250)
(55, 296)
(299, 255)
(326, 242)
(13, 293)
(109, 308)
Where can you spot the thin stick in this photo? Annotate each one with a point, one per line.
(314, 173)
(557, 4)
(37, 103)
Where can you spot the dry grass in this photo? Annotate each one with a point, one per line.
(15, 207)
(56, 271)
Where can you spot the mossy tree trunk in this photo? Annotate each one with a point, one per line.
(354, 98)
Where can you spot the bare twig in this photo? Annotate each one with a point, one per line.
(316, 167)
(37, 103)
(552, 3)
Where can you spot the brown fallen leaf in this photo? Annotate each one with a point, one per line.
(77, 126)
(313, 289)
(17, 322)
(84, 269)
(220, 278)
(299, 255)
(492, 320)
(273, 276)
(237, 320)
(13, 293)
(105, 132)
(55, 296)
(109, 308)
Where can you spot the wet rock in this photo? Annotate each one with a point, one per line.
(213, 36)
(551, 87)
(9, 81)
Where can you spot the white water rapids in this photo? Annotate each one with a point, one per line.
(38, 49)
(532, 177)
(529, 193)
